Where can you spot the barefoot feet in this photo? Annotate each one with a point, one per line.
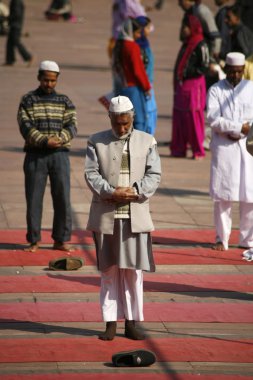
(219, 246)
(61, 246)
(33, 247)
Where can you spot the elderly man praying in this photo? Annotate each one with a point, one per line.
(123, 171)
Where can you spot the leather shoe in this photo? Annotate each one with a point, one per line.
(137, 358)
(66, 263)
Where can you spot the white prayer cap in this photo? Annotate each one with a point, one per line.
(120, 104)
(235, 59)
(49, 66)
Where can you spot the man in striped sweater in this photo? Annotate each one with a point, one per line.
(47, 122)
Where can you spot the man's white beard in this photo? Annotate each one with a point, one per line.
(123, 137)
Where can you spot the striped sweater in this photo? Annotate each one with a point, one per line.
(41, 116)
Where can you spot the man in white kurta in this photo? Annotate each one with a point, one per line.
(230, 115)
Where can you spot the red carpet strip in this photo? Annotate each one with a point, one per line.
(189, 236)
(124, 376)
(19, 237)
(159, 236)
(55, 282)
(41, 257)
(94, 350)
(153, 312)
(163, 256)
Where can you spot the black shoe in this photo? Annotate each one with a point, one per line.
(66, 263)
(137, 358)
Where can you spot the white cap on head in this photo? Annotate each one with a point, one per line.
(49, 66)
(235, 59)
(120, 104)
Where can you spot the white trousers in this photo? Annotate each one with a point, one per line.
(121, 294)
(223, 223)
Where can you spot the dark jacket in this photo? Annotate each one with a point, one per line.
(197, 63)
(224, 32)
(242, 40)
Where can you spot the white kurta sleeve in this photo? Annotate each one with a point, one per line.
(215, 114)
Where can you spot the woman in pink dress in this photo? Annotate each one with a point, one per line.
(188, 127)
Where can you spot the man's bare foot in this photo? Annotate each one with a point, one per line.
(218, 246)
(61, 246)
(32, 247)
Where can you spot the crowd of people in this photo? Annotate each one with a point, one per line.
(122, 166)
(222, 33)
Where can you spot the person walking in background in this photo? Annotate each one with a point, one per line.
(230, 114)
(47, 122)
(220, 19)
(4, 15)
(123, 170)
(16, 21)
(241, 35)
(188, 122)
(121, 11)
(130, 78)
(59, 9)
(206, 18)
(148, 60)
(211, 35)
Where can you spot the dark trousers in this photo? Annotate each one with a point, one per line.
(37, 168)
(14, 42)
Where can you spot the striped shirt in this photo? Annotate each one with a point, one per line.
(123, 209)
(41, 116)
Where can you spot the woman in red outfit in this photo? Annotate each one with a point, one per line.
(130, 78)
(188, 121)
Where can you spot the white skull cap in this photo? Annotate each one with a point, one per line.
(235, 59)
(120, 104)
(49, 66)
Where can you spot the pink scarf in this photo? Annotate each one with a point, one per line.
(194, 39)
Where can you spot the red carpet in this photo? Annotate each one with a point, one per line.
(41, 257)
(189, 236)
(163, 256)
(159, 236)
(19, 237)
(123, 376)
(65, 283)
(166, 312)
(92, 349)
(229, 302)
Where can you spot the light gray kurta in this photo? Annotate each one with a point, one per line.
(228, 108)
(102, 168)
(122, 242)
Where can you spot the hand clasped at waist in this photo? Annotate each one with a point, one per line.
(124, 194)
